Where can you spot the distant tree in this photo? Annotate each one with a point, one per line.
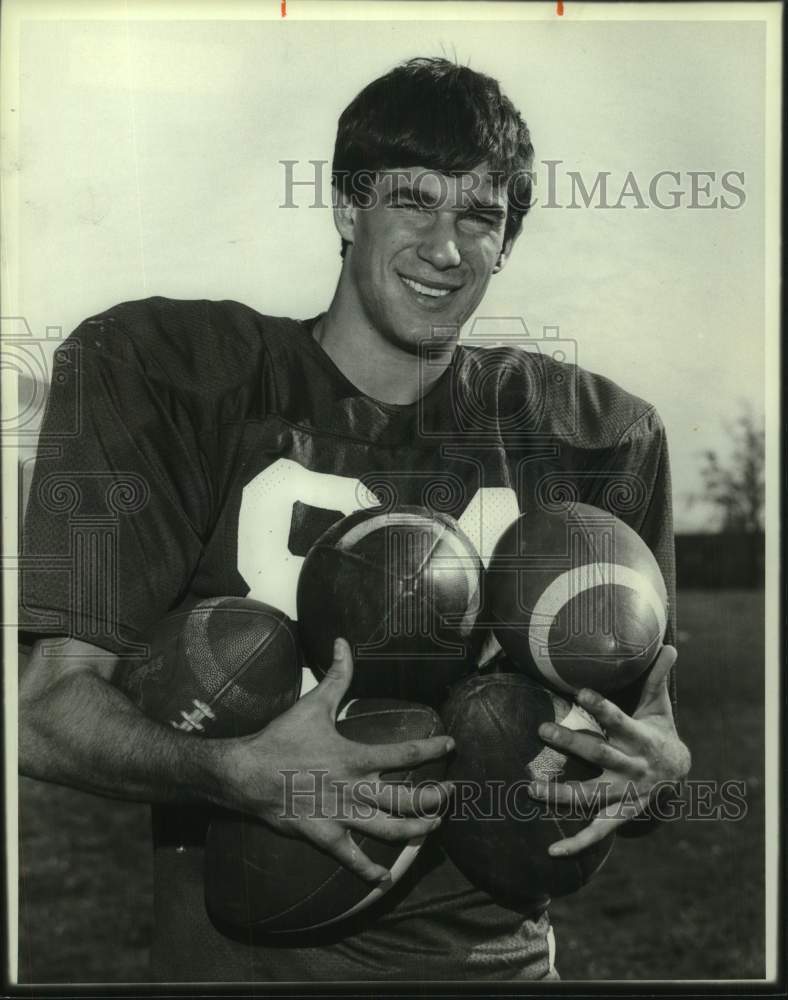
(736, 487)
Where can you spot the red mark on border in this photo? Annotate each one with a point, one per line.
(559, 7)
(283, 8)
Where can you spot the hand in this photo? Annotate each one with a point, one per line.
(328, 802)
(642, 751)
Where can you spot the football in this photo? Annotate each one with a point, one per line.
(403, 586)
(223, 668)
(494, 832)
(260, 882)
(576, 599)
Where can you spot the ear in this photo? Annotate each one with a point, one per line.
(344, 216)
(505, 254)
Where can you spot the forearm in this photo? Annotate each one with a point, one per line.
(83, 732)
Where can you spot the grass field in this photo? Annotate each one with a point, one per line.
(685, 902)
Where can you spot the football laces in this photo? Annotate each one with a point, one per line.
(194, 718)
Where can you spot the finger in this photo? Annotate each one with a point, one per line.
(584, 797)
(609, 716)
(337, 841)
(428, 799)
(384, 826)
(596, 830)
(377, 759)
(588, 746)
(656, 685)
(334, 685)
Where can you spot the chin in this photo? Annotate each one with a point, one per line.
(411, 339)
(435, 327)
(408, 341)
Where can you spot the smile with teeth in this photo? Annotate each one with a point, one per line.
(435, 293)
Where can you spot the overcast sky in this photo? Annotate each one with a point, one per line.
(149, 164)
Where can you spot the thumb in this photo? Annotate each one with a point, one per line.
(338, 676)
(656, 687)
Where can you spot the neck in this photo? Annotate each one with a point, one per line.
(379, 368)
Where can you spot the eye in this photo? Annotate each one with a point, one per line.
(480, 219)
(409, 205)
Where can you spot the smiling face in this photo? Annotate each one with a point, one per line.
(422, 252)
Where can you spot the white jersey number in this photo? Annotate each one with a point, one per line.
(269, 567)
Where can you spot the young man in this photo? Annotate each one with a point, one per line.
(215, 444)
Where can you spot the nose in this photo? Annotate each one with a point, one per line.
(439, 246)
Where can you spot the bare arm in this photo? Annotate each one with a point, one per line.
(76, 728)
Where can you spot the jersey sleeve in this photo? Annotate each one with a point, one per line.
(635, 485)
(119, 502)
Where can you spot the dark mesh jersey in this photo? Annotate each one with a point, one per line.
(196, 449)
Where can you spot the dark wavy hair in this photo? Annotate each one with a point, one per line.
(435, 114)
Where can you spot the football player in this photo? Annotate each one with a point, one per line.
(215, 444)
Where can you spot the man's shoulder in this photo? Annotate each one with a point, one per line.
(190, 343)
(600, 413)
(563, 401)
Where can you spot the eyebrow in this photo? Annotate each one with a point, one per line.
(403, 188)
(490, 207)
(429, 200)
